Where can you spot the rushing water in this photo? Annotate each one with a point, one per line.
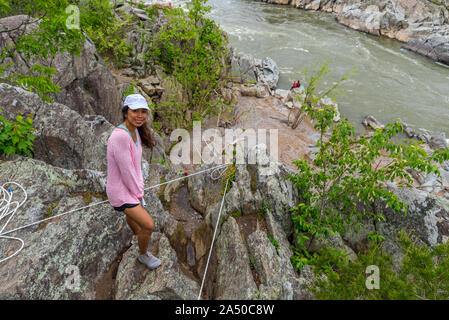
(390, 83)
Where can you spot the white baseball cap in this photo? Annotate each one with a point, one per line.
(136, 101)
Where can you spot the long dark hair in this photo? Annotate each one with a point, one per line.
(144, 131)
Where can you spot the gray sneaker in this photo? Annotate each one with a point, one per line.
(149, 260)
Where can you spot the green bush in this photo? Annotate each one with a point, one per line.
(422, 274)
(16, 137)
(192, 50)
(105, 30)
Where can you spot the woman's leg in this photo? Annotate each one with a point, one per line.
(133, 225)
(146, 224)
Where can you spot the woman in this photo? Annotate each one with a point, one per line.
(125, 182)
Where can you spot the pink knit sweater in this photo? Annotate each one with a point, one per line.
(124, 181)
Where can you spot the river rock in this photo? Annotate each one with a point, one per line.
(410, 132)
(87, 85)
(246, 68)
(328, 102)
(243, 68)
(434, 46)
(371, 122)
(281, 94)
(438, 141)
(258, 91)
(268, 74)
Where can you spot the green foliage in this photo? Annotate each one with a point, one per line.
(152, 11)
(251, 263)
(55, 35)
(50, 37)
(323, 261)
(263, 210)
(274, 242)
(106, 31)
(39, 81)
(129, 91)
(16, 137)
(349, 173)
(236, 214)
(422, 274)
(191, 48)
(229, 175)
(50, 209)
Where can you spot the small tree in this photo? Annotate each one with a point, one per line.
(51, 35)
(192, 49)
(311, 96)
(348, 174)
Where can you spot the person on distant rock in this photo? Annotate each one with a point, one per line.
(296, 84)
(125, 188)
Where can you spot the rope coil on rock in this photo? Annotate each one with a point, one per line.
(8, 208)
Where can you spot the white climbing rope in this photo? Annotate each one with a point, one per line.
(8, 208)
(213, 240)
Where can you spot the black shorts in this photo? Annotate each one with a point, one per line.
(126, 205)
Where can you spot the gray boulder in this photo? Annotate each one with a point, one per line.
(168, 282)
(246, 68)
(434, 46)
(234, 279)
(276, 273)
(63, 137)
(268, 73)
(373, 123)
(438, 141)
(66, 257)
(427, 218)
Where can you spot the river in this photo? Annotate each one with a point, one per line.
(390, 83)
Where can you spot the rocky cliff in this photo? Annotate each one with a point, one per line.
(251, 256)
